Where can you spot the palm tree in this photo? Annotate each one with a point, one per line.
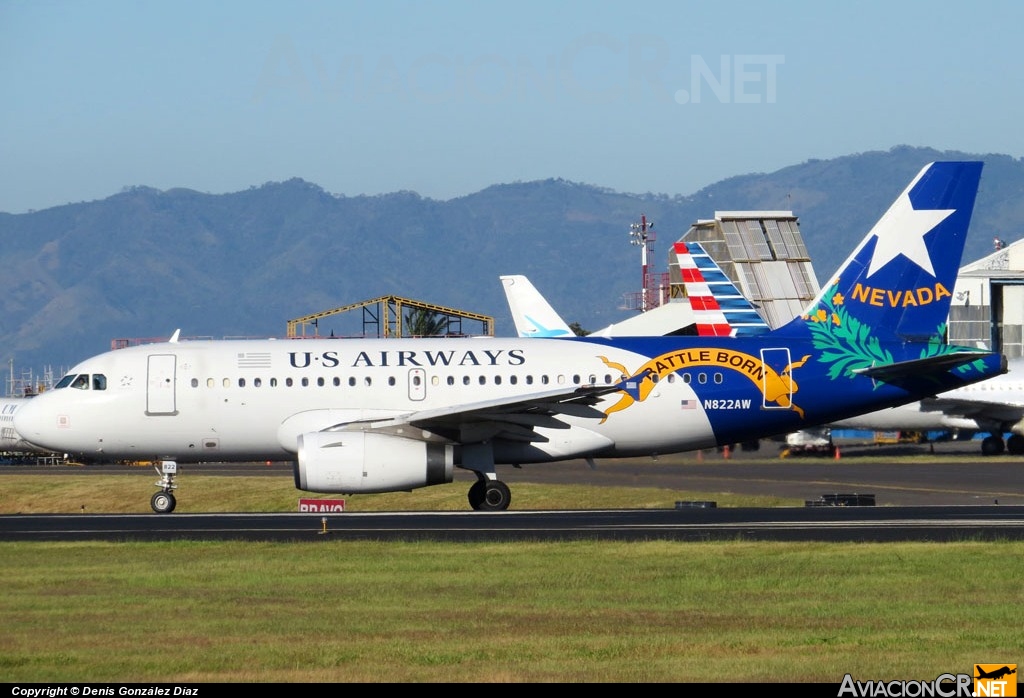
(420, 322)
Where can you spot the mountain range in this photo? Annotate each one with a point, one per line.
(145, 262)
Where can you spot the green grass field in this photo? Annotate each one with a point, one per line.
(338, 611)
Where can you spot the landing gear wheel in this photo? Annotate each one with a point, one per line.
(1015, 445)
(477, 494)
(991, 446)
(496, 496)
(163, 502)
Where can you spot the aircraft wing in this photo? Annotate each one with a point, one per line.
(1002, 410)
(891, 373)
(508, 418)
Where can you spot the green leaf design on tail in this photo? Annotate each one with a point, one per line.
(847, 344)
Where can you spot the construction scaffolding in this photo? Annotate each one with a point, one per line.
(385, 317)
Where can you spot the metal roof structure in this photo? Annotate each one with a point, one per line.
(764, 255)
(987, 309)
(391, 309)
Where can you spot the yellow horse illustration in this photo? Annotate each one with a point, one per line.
(776, 387)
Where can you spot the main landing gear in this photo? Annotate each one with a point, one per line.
(489, 495)
(163, 502)
(993, 445)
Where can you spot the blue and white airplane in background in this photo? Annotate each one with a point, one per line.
(382, 415)
(711, 307)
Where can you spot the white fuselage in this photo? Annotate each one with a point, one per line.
(249, 400)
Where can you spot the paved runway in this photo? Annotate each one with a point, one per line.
(951, 494)
(837, 524)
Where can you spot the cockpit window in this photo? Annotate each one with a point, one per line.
(83, 381)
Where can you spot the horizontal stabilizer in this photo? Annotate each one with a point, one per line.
(929, 365)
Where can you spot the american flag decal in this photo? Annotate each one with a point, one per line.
(688, 404)
(254, 359)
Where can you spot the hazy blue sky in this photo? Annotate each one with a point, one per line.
(447, 97)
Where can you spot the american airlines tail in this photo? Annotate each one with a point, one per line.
(720, 309)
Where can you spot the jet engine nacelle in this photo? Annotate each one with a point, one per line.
(1017, 428)
(355, 462)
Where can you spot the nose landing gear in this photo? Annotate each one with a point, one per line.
(163, 502)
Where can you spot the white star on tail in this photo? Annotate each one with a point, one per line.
(901, 231)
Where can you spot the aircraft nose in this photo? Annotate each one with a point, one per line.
(29, 421)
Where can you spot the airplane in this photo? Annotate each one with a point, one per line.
(534, 317)
(361, 416)
(994, 674)
(712, 306)
(994, 406)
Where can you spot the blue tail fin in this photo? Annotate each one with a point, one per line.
(898, 283)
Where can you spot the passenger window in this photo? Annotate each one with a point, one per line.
(241, 382)
(288, 382)
(702, 378)
(273, 382)
(465, 380)
(718, 379)
(391, 380)
(320, 382)
(257, 382)
(210, 383)
(305, 382)
(195, 382)
(352, 381)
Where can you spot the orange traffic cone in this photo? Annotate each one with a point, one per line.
(837, 453)
(725, 452)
